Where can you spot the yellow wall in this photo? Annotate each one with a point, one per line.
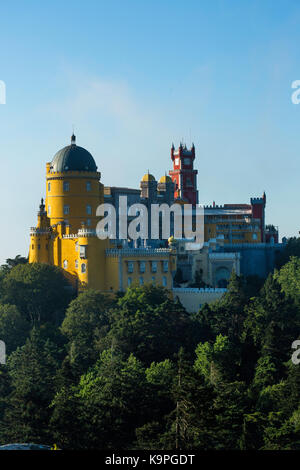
(77, 197)
(213, 229)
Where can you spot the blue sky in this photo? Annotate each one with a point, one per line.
(135, 76)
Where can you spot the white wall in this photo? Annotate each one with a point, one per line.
(192, 298)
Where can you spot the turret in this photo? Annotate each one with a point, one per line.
(40, 237)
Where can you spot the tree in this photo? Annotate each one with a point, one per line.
(14, 329)
(292, 248)
(191, 423)
(289, 278)
(149, 324)
(112, 401)
(40, 291)
(86, 322)
(31, 368)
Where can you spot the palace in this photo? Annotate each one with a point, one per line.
(66, 234)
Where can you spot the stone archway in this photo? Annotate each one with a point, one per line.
(222, 276)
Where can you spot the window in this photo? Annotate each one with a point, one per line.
(129, 281)
(88, 186)
(82, 251)
(187, 161)
(49, 210)
(142, 266)
(65, 264)
(154, 266)
(165, 266)
(76, 263)
(32, 247)
(141, 281)
(49, 187)
(39, 246)
(89, 210)
(88, 222)
(164, 281)
(66, 209)
(153, 280)
(254, 236)
(130, 266)
(66, 186)
(83, 268)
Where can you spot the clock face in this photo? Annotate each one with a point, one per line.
(176, 161)
(187, 161)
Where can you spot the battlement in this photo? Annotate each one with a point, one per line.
(72, 174)
(35, 231)
(136, 252)
(86, 232)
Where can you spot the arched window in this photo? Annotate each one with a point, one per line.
(89, 209)
(83, 268)
(88, 186)
(222, 277)
(66, 209)
(65, 264)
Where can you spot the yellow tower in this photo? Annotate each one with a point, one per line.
(73, 188)
(40, 236)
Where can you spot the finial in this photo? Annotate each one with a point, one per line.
(42, 205)
(73, 139)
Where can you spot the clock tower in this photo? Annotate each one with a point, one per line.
(183, 174)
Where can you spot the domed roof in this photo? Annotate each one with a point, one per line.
(73, 158)
(148, 177)
(165, 179)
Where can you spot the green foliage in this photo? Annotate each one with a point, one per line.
(149, 324)
(40, 291)
(289, 278)
(215, 362)
(85, 323)
(135, 371)
(292, 248)
(31, 369)
(14, 329)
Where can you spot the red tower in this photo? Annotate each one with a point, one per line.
(183, 174)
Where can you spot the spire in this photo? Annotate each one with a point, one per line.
(42, 205)
(73, 139)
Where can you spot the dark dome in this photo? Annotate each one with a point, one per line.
(73, 158)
